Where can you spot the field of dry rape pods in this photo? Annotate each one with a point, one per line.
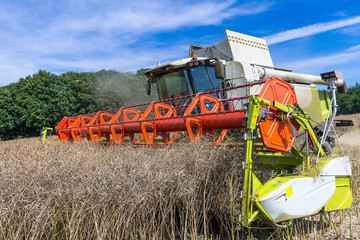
(87, 191)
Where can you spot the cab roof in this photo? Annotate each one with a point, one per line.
(182, 63)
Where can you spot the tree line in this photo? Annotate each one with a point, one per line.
(349, 103)
(44, 98)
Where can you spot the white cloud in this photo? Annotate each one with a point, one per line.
(91, 35)
(310, 30)
(126, 60)
(147, 16)
(12, 69)
(329, 62)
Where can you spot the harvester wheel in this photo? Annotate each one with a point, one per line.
(327, 148)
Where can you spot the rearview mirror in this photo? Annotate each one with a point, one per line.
(219, 70)
(148, 86)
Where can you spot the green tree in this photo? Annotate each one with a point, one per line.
(349, 103)
(43, 99)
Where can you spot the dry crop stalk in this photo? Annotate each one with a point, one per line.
(270, 123)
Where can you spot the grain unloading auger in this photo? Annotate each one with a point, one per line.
(278, 123)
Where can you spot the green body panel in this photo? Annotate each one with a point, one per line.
(324, 104)
(254, 190)
(247, 207)
(342, 197)
(314, 102)
(280, 161)
(256, 183)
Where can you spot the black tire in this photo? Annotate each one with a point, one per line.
(327, 148)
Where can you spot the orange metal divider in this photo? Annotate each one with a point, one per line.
(203, 116)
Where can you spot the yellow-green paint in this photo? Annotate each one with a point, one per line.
(44, 132)
(256, 183)
(342, 197)
(254, 190)
(318, 107)
(262, 214)
(279, 160)
(271, 185)
(251, 208)
(247, 207)
(324, 104)
(262, 192)
(254, 216)
(249, 179)
(253, 113)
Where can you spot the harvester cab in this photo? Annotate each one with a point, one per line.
(234, 85)
(238, 60)
(184, 77)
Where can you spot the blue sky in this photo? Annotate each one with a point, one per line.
(62, 35)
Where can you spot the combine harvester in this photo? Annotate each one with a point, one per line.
(232, 87)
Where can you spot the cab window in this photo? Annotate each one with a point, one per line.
(172, 85)
(201, 80)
